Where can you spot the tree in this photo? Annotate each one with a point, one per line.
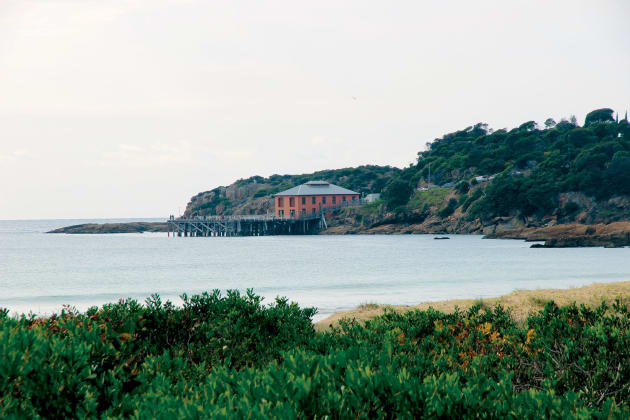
(550, 123)
(397, 193)
(528, 126)
(599, 115)
(617, 175)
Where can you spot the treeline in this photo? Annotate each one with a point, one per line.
(529, 165)
(233, 357)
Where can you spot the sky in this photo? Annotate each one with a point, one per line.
(127, 108)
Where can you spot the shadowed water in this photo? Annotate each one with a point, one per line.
(41, 272)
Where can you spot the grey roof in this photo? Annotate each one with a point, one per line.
(316, 188)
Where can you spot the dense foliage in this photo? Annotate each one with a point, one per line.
(362, 179)
(230, 356)
(532, 164)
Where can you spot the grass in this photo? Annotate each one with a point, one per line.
(368, 306)
(538, 301)
(431, 198)
(481, 303)
(520, 302)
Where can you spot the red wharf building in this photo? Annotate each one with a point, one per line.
(311, 198)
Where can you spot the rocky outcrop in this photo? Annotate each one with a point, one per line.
(131, 227)
(611, 235)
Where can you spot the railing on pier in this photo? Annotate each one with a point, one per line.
(253, 217)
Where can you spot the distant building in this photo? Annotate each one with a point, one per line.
(372, 197)
(311, 198)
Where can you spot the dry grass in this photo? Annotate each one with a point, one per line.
(521, 302)
(368, 306)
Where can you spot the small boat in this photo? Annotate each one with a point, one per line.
(441, 237)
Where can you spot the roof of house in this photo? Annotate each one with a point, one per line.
(316, 188)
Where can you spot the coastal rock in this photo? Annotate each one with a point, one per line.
(611, 235)
(130, 227)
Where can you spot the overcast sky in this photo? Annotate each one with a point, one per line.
(126, 108)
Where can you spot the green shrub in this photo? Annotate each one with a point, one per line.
(462, 187)
(476, 195)
(232, 357)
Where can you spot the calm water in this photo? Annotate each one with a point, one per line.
(41, 272)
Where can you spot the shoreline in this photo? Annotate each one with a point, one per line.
(572, 235)
(521, 302)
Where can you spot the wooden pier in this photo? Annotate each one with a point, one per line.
(205, 226)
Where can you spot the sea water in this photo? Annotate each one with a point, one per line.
(40, 272)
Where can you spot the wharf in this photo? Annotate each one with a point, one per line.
(205, 226)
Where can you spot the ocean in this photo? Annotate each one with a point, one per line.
(41, 272)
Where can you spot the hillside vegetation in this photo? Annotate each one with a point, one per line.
(529, 165)
(233, 357)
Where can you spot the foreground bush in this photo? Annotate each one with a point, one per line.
(233, 357)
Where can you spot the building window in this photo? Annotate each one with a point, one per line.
(313, 210)
(281, 213)
(292, 213)
(343, 198)
(313, 200)
(303, 212)
(323, 200)
(334, 199)
(303, 200)
(292, 202)
(354, 197)
(280, 202)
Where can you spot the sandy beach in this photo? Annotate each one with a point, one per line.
(521, 302)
